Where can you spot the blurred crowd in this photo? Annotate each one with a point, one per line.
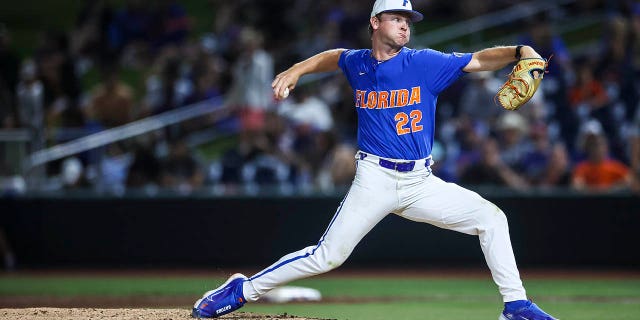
(581, 130)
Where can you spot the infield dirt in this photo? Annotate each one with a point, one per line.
(124, 314)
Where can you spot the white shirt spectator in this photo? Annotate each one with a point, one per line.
(252, 73)
(311, 111)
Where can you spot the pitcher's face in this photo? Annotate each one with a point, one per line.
(394, 27)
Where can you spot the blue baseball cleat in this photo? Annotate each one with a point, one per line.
(526, 310)
(225, 299)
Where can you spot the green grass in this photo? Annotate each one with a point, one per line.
(385, 311)
(451, 310)
(382, 298)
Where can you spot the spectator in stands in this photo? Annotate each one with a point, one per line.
(469, 137)
(112, 102)
(229, 168)
(491, 170)
(129, 32)
(30, 100)
(207, 83)
(252, 74)
(206, 79)
(547, 164)
(271, 158)
(513, 141)
(615, 68)
(90, 35)
(615, 65)
(307, 111)
(170, 25)
(588, 128)
(227, 20)
(443, 166)
(180, 171)
(345, 120)
(558, 170)
(168, 85)
(61, 84)
(236, 59)
(599, 172)
(337, 169)
(264, 158)
(535, 161)
(144, 171)
(476, 101)
(588, 92)
(259, 157)
(311, 122)
(31, 117)
(540, 34)
(114, 168)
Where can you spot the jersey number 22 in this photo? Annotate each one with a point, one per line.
(402, 121)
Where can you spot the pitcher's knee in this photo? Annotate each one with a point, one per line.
(330, 258)
(492, 216)
(330, 265)
(334, 261)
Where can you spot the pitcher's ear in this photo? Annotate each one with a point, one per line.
(374, 22)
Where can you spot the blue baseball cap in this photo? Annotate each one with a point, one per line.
(381, 6)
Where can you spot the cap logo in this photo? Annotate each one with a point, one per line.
(382, 6)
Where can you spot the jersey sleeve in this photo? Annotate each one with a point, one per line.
(442, 69)
(342, 61)
(346, 63)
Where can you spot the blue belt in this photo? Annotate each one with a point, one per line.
(397, 166)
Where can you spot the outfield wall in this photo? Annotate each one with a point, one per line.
(549, 231)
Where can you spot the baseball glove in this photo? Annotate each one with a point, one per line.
(522, 83)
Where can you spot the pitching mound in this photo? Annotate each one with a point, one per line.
(122, 314)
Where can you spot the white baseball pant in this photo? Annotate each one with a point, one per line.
(416, 195)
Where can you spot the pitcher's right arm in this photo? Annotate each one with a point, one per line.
(325, 61)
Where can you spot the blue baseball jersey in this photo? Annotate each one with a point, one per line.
(396, 99)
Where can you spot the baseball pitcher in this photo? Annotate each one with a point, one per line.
(395, 90)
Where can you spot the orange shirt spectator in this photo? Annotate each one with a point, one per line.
(588, 90)
(601, 175)
(112, 102)
(598, 172)
(592, 92)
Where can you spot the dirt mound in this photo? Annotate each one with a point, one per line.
(123, 314)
